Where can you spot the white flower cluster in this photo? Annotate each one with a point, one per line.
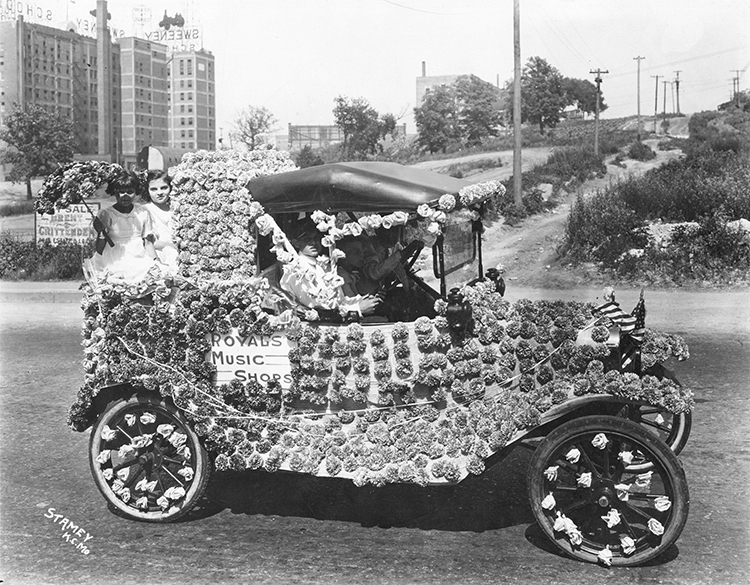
(214, 212)
(479, 192)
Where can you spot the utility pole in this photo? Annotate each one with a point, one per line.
(656, 101)
(598, 81)
(664, 111)
(517, 191)
(677, 89)
(638, 91)
(736, 87)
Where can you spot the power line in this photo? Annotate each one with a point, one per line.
(695, 58)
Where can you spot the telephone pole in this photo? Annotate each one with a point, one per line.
(664, 111)
(736, 86)
(598, 81)
(677, 89)
(656, 101)
(517, 188)
(638, 91)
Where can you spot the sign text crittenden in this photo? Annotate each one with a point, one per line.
(72, 224)
(250, 357)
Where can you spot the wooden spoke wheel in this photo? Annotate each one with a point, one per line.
(147, 461)
(593, 506)
(673, 429)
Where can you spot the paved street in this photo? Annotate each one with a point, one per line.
(276, 528)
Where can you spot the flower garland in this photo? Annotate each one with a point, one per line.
(73, 182)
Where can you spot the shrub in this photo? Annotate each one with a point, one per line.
(713, 253)
(600, 228)
(672, 143)
(570, 162)
(532, 202)
(640, 151)
(308, 158)
(26, 260)
(708, 187)
(18, 208)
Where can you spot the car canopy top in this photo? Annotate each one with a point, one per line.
(353, 186)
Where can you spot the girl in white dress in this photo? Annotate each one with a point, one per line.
(129, 227)
(158, 197)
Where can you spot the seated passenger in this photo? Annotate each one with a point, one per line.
(124, 245)
(313, 285)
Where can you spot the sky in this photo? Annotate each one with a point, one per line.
(294, 57)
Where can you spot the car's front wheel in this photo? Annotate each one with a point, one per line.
(146, 459)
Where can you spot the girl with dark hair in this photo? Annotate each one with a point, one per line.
(129, 226)
(158, 193)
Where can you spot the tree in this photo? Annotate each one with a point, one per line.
(581, 93)
(543, 97)
(437, 119)
(478, 109)
(469, 109)
(362, 126)
(252, 123)
(38, 142)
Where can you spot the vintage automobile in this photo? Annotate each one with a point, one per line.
(220, 368)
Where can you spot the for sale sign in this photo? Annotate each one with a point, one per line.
(66, 225)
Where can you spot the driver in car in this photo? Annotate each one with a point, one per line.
(362, 269)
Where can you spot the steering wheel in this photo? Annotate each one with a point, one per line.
(407, 257)
(410, 254)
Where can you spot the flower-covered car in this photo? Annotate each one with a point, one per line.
(220, 369)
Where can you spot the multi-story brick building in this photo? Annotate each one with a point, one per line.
(192, 94)
(58, 70)
(121, 96)
(143, 87)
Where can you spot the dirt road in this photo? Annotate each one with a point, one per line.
(527, 251)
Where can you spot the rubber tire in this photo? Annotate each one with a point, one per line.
(676, 440)
(544, 456)
(200, 460)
